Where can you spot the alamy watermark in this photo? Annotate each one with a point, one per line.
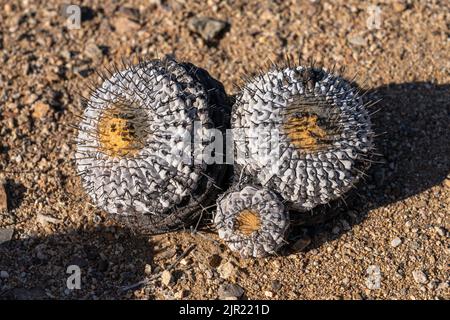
(74, 280)
(207, 145)
(72, 13)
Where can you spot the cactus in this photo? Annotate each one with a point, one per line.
(134, 144)
(302, 138)
(303, 133)
(251, 220)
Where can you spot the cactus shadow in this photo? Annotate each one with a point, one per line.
(108, 257)
(16, 192)
(412, 123)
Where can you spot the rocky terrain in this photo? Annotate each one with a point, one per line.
(389, 241)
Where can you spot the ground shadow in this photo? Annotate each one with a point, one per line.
(413, 127)
(108, 257)
(16, 192)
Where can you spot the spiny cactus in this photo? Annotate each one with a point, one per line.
(302, 132)
(251, 220)
(136, 152)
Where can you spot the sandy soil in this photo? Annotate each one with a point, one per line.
(389, 242)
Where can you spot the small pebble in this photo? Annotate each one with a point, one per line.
(230, 290)
(166, 278)
(209, 274)
(4, 274)
(130, 13)
(125, 25)
(3, 197)
(357, 40)
(41, 110)
(209, 29)
(148, 269)
(185, 262)
(180, 294)
(44, 219)
(226, 270)
(420, 277)
(440, 231)
(396, 242)
(399, 6)
(432, 285)
(276, 285)
(6, 235)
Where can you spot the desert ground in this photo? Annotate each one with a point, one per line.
(388, 241)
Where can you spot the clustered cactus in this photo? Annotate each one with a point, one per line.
(134, 144)
(301, 138)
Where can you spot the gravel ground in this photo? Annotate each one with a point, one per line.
(390, 241)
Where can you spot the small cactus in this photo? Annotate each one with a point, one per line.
(303, 133)
(133, 145)
(251, 220)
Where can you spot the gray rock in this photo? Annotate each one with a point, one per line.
(228, 290)
(396, 242)
(129, 12)
(276, 285)
(6, 235)
(4, 274)
(148, 269)
(208, 28)
(357, 40)
(229, 298)
(66, 54)
(167, 253)
(419, 276)
(3, 197)
(181, 294)
(209, 274)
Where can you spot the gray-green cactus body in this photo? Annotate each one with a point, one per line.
(135, 146)
(251, 220)
(303, 133)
